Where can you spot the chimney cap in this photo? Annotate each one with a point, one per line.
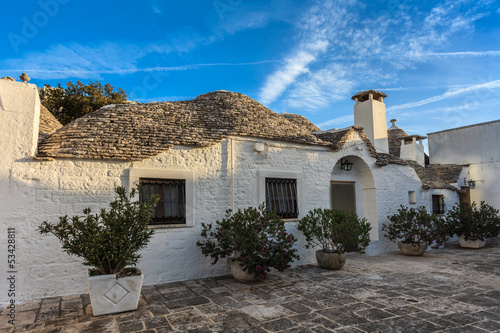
(416, 136)
(365, 95)
(394, 126)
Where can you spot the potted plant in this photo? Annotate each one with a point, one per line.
(473, 224)
(336, 232)
(254, 240)
(414, 229)
(109, 241)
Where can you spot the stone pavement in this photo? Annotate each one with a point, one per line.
(446, 290)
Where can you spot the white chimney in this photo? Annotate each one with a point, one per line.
(413, 150)
(369, 113)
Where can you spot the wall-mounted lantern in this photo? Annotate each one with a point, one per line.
(345, 165)
(472, 183)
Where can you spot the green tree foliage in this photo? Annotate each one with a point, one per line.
(255, 236)
(110, 240)
(335, 231)
(76, 100)
(416, 226)
(473, 222)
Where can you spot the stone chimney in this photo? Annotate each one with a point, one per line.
(369, 113)
(19, 120)
(413, 150)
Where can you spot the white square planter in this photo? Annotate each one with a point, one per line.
(470, 243)
(109, 294)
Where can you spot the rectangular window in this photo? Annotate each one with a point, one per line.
(438, 204)
(171, 209)
(411, 197)
(281, 196)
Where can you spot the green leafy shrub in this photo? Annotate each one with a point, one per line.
(416, 226)
(472, 222)
(110, 240)
(335, 231)
(255, 236)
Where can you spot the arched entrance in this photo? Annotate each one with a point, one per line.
(354, 190)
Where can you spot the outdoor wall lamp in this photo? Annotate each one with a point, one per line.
(345, 165)
(472, 183)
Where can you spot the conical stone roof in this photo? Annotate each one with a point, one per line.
(139, 131)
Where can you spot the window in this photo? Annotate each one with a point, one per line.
(171, 209)
(411, 197)
(438, 204)
(281, 196)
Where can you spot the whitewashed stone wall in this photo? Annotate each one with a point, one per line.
(476, 146)
(224, 176)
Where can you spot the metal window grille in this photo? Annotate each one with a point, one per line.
(171, 209)
(281, 197)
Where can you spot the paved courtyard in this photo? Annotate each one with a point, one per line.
(446, 290)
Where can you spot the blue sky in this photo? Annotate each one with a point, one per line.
(438, 61)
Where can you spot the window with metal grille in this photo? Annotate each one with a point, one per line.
(171, 209)
(438, 204)
(281, 196)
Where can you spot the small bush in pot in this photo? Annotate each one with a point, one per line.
(417, 228)
(255, 237)
(472, 222)
(108, 242)
(335, 232)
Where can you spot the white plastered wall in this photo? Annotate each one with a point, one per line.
(223, 176)
(476, 146)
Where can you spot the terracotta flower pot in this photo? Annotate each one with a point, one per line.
(238, 272)
(329, 260)
(472, 244)
(412, 249)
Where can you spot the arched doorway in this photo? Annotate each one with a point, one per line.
(354, 190)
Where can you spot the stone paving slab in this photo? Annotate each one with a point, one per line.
(446, 290)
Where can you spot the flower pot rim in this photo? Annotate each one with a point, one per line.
(108, 276)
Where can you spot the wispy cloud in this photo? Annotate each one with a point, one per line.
(319, 88)
(337, 121)
(277, 83)
(156, 7)
(465, 54)
(368, 50)
(449, 94)
(137, 70)
(314, 39)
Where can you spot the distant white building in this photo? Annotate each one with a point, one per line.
(478, 148)
(221, 150)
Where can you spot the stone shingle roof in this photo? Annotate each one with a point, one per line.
(48, 123)
(447, 172)
(139, 131)
(300, 121)
(428, 176)
(338, 138)
(365, 95)
(394, 137)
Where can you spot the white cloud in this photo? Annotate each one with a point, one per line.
(465, 54)
(277, 83)
(336, 121)
(84, 73)
(449, 94)
(319, 88)
(316, 32)
(84, 61)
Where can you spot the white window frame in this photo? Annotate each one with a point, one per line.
(263, 174)
(188, 176)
